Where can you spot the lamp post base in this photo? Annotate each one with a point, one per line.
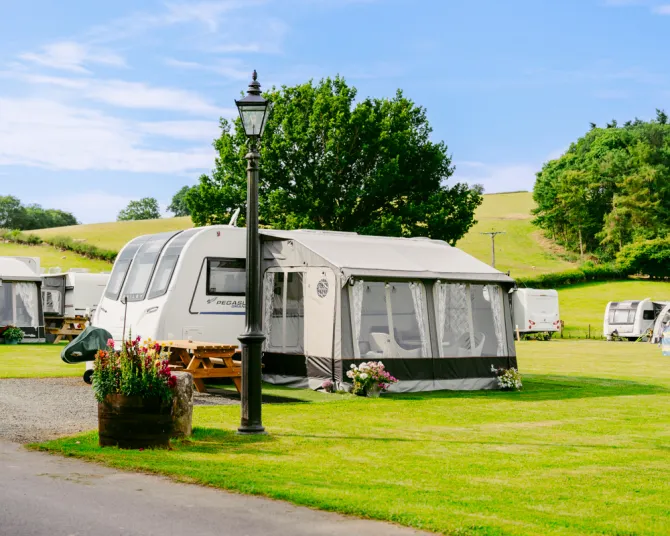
(251, 430)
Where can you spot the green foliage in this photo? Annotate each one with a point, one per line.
(61, 242)
(329, 162)
(14, 215)
(648, 257)
(12, 334)
(145, 209)
(178, 205)
(611, 188)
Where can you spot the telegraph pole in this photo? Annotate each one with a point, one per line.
(493, 245)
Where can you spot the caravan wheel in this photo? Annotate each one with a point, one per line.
(88, 376)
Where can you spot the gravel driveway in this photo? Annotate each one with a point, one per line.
(41, 409)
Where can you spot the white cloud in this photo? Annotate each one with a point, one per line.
(232, 69)
(204, 131)
(496, 177)
(126, 94)
(48, 134)
(662, 9)
(71, 56)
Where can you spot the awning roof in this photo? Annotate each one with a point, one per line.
(12, 269)
(376, 256)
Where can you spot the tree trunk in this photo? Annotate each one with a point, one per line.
(581, 245)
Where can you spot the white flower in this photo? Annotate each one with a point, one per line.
(350, 374)
(352, 366)
(363, 376)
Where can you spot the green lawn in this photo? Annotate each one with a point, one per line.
(50, 257)
(584, 449)
(115, 235)
(581, 305)
(35, 361)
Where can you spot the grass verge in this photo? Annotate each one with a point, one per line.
(584, 449)
(35, 361)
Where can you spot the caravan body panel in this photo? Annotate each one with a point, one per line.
(631, 318)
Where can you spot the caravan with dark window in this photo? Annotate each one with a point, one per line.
(631, 319)
(437, 317)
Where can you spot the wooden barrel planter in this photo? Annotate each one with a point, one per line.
(134, 422)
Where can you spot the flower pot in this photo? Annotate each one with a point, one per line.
(374, 391)
(134, 422)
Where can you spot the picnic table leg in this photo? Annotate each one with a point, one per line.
(199, 383)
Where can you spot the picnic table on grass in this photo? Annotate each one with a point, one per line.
(66, 328)
(204, 360)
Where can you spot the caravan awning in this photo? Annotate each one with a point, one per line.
(386, 257)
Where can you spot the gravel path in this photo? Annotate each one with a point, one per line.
(42, 409)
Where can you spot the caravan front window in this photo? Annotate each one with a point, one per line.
(168, 263)
(143, 266)
(121, 266)
(226, 277)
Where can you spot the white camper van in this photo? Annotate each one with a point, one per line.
(535, 310)
(631, 319)
(20, 303)
(439, 318)
(73, 293)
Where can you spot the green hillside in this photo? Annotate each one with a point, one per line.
(51, 257)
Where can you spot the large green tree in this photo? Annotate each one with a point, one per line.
(611, 188)
(178, 205)
(15, 215)
(145, 209)
(331, 162)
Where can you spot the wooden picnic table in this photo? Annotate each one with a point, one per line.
(204, 360)
(65, 328)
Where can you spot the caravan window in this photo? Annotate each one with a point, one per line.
(389, 319)
(470, 319)
(647, 315)
(622, 316)
(120, 270)
(143, 266)
(168, 262)
(226, 277)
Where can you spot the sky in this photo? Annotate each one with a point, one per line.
(105, 102)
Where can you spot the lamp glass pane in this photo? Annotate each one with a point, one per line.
(252, 118)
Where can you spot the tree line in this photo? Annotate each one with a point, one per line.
(15, 215)
(608, 196)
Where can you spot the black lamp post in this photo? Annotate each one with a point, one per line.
(254, 111)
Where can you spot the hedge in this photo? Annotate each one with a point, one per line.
(584, 274)
(60, 242)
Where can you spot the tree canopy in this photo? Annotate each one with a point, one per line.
(15, 215)
(145, 209)
(611, 188)
(178, 205)
(331, 162)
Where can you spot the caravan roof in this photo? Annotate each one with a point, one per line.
(361, 255)
(13, 269)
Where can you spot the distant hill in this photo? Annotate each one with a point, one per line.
(521, 250)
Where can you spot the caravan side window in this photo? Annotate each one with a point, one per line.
(226, 277)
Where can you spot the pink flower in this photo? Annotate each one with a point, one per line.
(110, 343)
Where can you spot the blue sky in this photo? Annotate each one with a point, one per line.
(103, 102)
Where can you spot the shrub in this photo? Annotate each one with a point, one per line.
(647, 257)
(12, 334)
(61, 242)
(587, 272)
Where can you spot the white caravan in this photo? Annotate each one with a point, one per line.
(535, 310)
(178, 285)
(631, 319)
(662, 322)
(72, 294)
(20, 303)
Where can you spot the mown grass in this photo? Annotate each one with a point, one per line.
(115, 235)
(584, 304)
(52, 257)
(35, 361)
(584, 449)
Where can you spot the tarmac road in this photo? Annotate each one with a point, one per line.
(45, 495)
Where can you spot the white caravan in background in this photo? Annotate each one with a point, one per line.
(631, 319)
(71, 294)
(178, 285)
(535, 310)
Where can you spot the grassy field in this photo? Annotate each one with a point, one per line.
(581, 305)
(115, 235)
(35, 361)
(584, 449)
(51, 257)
